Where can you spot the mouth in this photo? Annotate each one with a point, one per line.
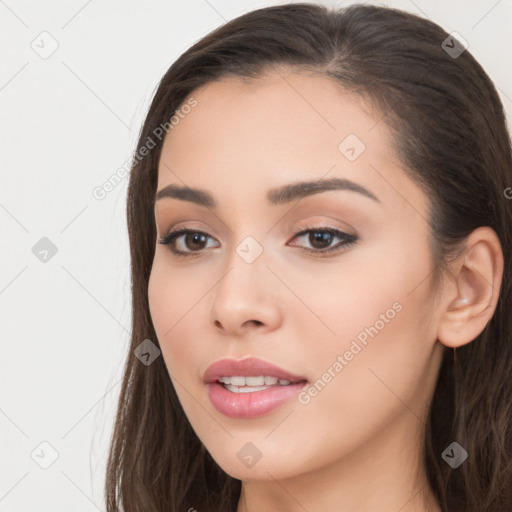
(256, 371)
(246, 402)
(250, 388)
(251, 384)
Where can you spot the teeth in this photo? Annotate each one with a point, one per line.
(253, 382)
(245, 389)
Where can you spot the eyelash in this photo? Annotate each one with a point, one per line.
(348, 240)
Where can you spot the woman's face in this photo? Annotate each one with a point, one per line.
(356, 326)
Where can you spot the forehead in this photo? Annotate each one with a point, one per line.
(276, 129)
(297, 107)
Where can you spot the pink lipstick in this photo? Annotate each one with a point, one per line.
(250, 387)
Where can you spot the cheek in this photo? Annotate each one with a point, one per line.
(176, 304)
(384, 338)
(373, 311)
(166, 297)
(176, 308)
(338, 298)
(161, 301)
(172, 292)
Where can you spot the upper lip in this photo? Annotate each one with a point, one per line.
(247, 367)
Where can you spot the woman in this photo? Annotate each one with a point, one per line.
(321, 274)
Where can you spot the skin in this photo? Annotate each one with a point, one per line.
(356, 446)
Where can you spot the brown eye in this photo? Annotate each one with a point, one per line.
(187, 242)
(320, 239)
(193, 241)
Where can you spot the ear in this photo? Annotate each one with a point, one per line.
(472, 296)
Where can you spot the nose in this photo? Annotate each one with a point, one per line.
(246, 299)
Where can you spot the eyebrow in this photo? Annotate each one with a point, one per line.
(276, 196)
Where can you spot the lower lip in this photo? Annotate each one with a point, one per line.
(253, 404)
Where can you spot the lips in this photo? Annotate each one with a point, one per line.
(250, 402)
(249, 367)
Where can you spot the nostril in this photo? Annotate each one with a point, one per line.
(255, 322)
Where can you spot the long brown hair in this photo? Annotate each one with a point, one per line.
(451, 135)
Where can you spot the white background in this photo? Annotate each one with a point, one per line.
(68, 122)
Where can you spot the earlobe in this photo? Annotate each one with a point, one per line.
(472, 296)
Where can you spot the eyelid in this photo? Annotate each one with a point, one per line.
(173, 234)
(347, 239)
(183, 226)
